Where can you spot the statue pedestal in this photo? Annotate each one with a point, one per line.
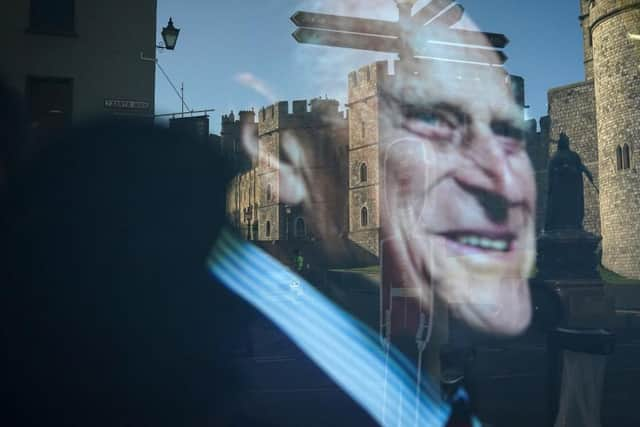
(568, 254)
(568, 265)
(583, 303)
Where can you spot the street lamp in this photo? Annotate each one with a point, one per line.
(169, 36)
(287, 210)
(248, 214)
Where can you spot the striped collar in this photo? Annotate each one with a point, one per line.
(381, 382)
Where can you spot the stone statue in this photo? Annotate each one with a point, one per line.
(565, 203)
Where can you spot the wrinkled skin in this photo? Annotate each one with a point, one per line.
(459, 191)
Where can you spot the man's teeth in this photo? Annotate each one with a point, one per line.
(484, 242)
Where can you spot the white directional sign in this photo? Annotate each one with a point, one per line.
(387, 36)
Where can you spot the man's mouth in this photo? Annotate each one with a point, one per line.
(482, 241)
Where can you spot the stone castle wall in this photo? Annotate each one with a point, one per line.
(585, 9)
(617, 92)
(320, 130)
(538, 151)
(241, 194)
(574, 113)
(364, 139)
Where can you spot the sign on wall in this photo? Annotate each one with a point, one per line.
(127, 104)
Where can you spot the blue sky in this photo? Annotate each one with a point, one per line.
(220, 40)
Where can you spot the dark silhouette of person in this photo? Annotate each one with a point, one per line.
(112, 318)
(565, 206)
(109, 314)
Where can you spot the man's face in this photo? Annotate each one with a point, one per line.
(458, 191)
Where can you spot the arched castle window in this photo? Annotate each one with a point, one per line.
(363, 172)
(362, 129)
(268, 192)
(267, 229)
(618, 158)
(626, 157)
(300, 229)
(364, 216)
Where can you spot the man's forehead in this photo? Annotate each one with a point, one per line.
(463, 84)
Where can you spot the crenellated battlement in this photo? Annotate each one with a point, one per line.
(365, 81)
(244, 116)
(299, 113)
(228, 119)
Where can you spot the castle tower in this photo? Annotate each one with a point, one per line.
(364, 139)
(241, 193)
(321, 132)
(616, 76)
(585, 8)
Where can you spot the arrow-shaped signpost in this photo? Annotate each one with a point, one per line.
(391, 36)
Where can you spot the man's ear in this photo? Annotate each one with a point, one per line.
(294, 171)
(292, 165)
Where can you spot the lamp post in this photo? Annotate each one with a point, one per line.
(248, 215)
(169, 36)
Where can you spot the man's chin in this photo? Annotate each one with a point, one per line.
(489, 304)
(488, 291)
(510, 315)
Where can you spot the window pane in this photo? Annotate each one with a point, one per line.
(52, 16)
(626, 161)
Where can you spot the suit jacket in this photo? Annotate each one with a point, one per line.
(111, 317)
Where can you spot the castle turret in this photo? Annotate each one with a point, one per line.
(616, 76)
(585, 8)
(364, 138)
(247, 117)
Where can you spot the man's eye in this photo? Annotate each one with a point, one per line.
(507, 130)
(432, 124)
(513, 137)
(430, 118)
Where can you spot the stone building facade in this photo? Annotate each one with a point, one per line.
(241, 194)
(72, 63)
(601, 116)
(253, 198)
(364, 140)
(572, 110)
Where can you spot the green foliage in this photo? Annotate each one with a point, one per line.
(612, 278)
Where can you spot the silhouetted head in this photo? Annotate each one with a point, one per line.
(114, 318)
(563, 141)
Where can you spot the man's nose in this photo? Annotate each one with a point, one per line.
(488, 175)
(490, 163)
